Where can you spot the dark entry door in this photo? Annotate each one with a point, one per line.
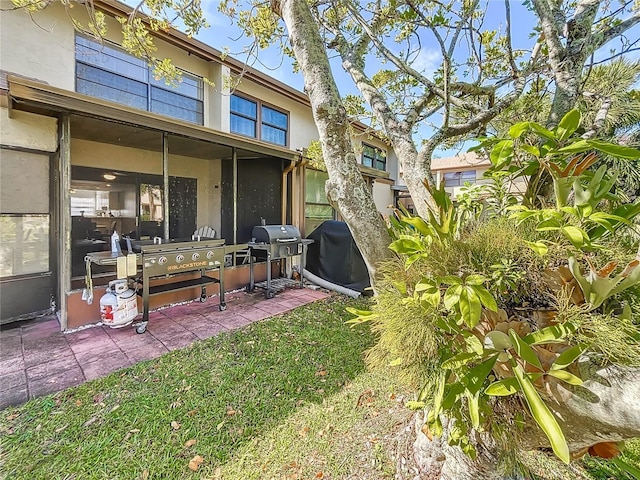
(25, 235)
(183, 206)
(259, 196)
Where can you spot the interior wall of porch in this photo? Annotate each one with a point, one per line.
(115, 157)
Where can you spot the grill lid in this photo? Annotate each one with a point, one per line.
(276, 234)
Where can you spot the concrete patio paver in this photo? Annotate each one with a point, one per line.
(37, 359)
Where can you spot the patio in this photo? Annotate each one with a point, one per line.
(36, 359)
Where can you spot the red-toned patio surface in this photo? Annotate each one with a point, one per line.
(37, 359)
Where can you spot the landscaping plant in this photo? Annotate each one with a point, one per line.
(500, 321)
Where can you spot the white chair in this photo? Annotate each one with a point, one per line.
(204, 232)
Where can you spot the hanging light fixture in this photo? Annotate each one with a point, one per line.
(109, 176)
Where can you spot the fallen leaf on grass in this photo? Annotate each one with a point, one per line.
(90, 421)
(231, 412)
(98, 398)
(220, 425)
(191, 413)
(78, 403)
(303, 432)
(321, 373)
(129, 434)
(190, 443)
(38, 427)
(195, 462)
(175, 425)
(61, 429)
(13, 416)
(145, 475)
(319, 475)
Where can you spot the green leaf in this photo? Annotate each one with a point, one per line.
(474, 408)
(407, 245)
(485, 297)
(517, 129)
(539, 248)
(615, 150)
(396, 362)
(567, 357)
(470, 307)
(626, 467)
(473, 342)
(553, 334)
(535, 151)
(419, 224)
(451, 280)
(452, 296)
(576, 147)
(414, 405)
(523, 349)
(475, 280)
(575, 235)
(543, 132)
(459, 360)
(503, 388)
(565, 376)
(569, 124)
(501, 152)
(476, 377)
(542, 415)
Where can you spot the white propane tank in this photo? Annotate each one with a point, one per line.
(119, 306)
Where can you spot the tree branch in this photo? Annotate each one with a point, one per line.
(598, 122)
(616, 30)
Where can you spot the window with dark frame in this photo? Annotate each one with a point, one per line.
(457, 179)
(105, 71)
(256, 120)
(374, 157)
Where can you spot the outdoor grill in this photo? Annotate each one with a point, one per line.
(164, 258)
(276, 242)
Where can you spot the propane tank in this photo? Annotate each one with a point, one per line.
(108, 307)
(119, 306)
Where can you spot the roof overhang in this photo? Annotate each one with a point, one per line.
(36, 97)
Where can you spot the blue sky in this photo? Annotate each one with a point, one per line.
(222, 33)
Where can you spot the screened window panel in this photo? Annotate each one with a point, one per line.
(107, 72)
(189, 86)
(275, 118)
(24, 244)
(274, 135)
(244, 107)
(109, 86)
(112, 59)
(176, 106)
(457, 179)
(243, 126)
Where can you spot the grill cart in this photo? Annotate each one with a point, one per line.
(276, 242)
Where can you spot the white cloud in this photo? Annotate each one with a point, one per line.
(427, 61)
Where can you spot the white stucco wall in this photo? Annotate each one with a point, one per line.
(113, 157)
(28, 130)
(302, 129)
(383, 197)
(42, 51)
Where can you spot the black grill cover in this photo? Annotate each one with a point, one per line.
(334, 256)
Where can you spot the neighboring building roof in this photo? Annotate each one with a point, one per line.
(462, 161)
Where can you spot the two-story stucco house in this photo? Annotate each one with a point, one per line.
(91, 142)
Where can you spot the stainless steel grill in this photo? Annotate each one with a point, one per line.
(275, 242)
(166, 258)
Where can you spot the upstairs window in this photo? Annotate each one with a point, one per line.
(374, 157)
(105, 71)
(254, 119)
(457, 179)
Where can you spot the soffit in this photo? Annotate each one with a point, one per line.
(132, 127)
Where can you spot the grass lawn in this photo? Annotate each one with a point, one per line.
(286, 398)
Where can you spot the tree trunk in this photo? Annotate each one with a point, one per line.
(346, 188)
(604, 409)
